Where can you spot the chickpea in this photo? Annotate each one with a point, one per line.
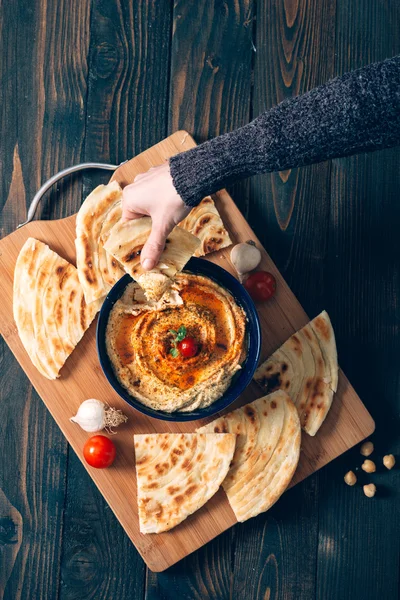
(369, 490)
(368, 466)
(350, 478)
(389, 461)
(367, 448)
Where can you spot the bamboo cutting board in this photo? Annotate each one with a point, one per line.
(347, 423)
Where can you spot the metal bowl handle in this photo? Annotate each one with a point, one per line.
(47, 184)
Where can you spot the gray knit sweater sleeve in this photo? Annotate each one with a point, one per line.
(357, 112)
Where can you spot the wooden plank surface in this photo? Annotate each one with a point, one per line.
(347, 423)
(321, 530)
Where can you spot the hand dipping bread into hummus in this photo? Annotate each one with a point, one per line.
(143, 343)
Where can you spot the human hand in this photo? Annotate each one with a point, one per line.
(153, 194)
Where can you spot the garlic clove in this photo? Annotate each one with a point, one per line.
(245, 257)
(90, 416)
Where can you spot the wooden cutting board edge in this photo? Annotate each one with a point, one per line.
(180, 141)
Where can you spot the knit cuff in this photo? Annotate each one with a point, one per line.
(214, 165)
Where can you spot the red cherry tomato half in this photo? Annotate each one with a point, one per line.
(188, 347)
(261, 285)
(99, 452)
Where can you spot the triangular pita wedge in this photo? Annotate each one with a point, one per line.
(177, 473)
(125, 242)
(305, 366)
(50, 310)
(98, 214)
(267, 452)
(204, 221)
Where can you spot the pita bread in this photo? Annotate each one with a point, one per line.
(97, 270)
(49, 307)
(125, 242)
(267, 452)
(306, 368)
(177, 473)
(204, 221)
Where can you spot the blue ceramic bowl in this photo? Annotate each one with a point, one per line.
(240, 380)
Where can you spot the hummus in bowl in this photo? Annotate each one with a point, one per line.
(138, 349)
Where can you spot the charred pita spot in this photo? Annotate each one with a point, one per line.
(162, 468)
(89, 275)
(167, 241)
(318, 388)
(153, 486)
(273, 404)
(199, 457)
(273, 382)
(323, 328)
(114, 263)
(265, 413)
(147, 440)
(249, 411)
(319, 405)
(287, 384)
(307, 334)
(72, 295)
(173, 489)
(191, 489)
(132, 255)
(217, 429)
(186, 464)
(156, 510)
(60, 270)
(136, 383)
(59, 314)
(212, 244)
(164, 445)
(142, 460)
(174, 459)
(190, 380)
(83, 313)
(269, 368)
(179, 499)
(178, 450)
(284, 367)
(308, 383)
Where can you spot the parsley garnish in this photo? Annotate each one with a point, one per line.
(178, 337)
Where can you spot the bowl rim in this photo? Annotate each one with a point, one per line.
(195, 266)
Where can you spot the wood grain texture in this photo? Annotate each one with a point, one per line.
(363, 262)
(43, 85)
(347, 423)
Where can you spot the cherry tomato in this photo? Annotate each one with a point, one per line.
(261, 285)
(188, 347)
(99, 452)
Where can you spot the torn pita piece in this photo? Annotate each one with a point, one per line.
(177, 473)
(204, 221)
(98, 271)
(126, 241)
(306, 368)
(267, 452)
(50, 310)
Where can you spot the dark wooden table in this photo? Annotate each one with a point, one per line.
(103, 80)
